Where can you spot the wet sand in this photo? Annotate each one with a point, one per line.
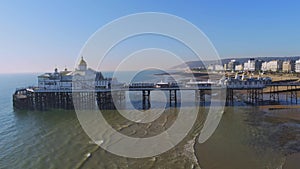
(288, 117)
(291, 112)
(292, 161)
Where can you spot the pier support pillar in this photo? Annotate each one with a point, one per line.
(293, 94)
(255, 96)
(146, 99)
(200, 97)
(229, 97)
(173, 97)
(274, 95)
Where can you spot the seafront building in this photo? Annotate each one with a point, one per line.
(225, 67)
(219, 68)
(231, 65)
(264, 66)
(239, 68)
(272, 66)
(275, 65)
(250, 65)
(297, 66)
(288, 66)
(210, 68)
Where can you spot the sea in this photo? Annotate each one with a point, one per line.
(248, 137)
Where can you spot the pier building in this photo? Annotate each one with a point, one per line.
(63, 80)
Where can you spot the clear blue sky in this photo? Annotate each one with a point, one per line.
(37, 35)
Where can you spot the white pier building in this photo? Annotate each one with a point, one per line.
(81, 78)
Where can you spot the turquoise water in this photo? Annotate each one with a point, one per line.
(247, 137)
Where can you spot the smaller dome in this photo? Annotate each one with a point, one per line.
(82, 62)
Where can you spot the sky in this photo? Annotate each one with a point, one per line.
(36, 36)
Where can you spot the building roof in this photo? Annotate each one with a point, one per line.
(45, 75)
(65, 73)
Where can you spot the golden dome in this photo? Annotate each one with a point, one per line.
(82, 62)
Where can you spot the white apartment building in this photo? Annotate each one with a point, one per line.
(273, 66)
(239, 67)
(210, 68)
(231, 65)
(264, 66)
(288, 66)
(297, 66)
(219, 68)
(250, 65)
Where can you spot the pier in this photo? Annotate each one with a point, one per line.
(43, 99)
(289, 89)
